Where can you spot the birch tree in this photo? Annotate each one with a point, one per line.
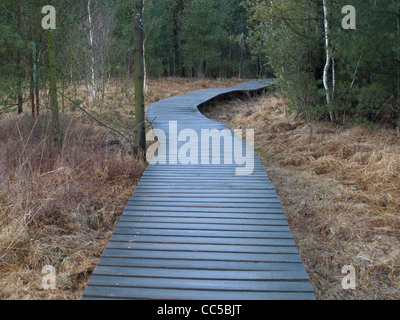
(327, 61)
(91, 49)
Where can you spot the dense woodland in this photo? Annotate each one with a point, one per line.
(325, 72)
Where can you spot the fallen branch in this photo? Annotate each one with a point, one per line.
(97, 120)
(53, 171)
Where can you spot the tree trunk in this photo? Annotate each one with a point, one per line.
(333, 79)
(144, 70)
(19, 60)
(398, 67)
(144, 56)
(32, 80)
(57, 134)
(140, 140)
(91, 49)
(35, 77)
(31, 87)
(328, 59)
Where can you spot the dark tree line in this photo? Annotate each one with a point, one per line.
(326, 72)
(94, 42)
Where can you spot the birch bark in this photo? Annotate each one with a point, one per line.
(328, 59)
(91, 48)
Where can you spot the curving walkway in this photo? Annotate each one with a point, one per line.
(201, 231)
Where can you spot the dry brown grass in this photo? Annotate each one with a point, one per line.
(340, 188)
(60, 209)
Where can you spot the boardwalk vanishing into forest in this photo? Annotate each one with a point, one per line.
(201, 231)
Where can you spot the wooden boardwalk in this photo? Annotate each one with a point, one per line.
(200, 231)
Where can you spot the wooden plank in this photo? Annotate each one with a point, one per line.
(203, 284)
(271, 208)
(202, 240)
(201, 226)
(231, 199)
(204, 221)
(203, 215)
(225, 256)
(160, 294)
(217, 203)
(204, 194)
(204, 186)
(287, 275)
(205, 233)
(202, 247)
(201, 264)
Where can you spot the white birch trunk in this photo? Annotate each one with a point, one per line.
(91, 49)
(328, 57)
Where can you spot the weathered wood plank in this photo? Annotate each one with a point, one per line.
(202, 247)
(205, 233)
(188, 255)
(295, 275)
(157, 294)
(203, 284)
(204, 221)
(204, 215)
(201, 264)
(201, 226)
(272, 208)
(202, 240)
